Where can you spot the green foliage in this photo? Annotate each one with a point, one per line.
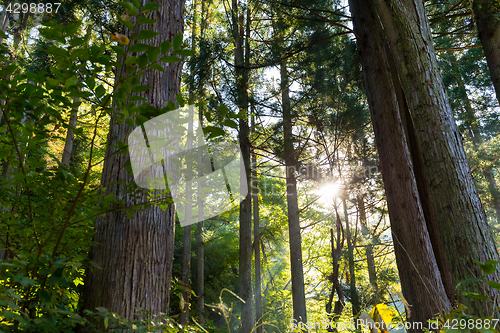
(47, 208)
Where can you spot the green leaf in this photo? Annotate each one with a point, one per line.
(100, 91)
(136, 3)
(165, 46)
(3, 34)
(223, 110)
(144, 20)
(494, 284)
(491, 262)
(138, 47)
(44, 296)
(153, 53)
(56, 51)
(180, 100)
(145, 34)
(150, 6)
(213, 131)
(131, 10)
(72, 28)
(184, 53)
(474, 295)
(138, 89)
(170, 59)
(157, 67)
(118, 50)
(177, 42)
(230, 123)
(71, 82)
(488, 269)
(142, 60)
(106, 322)
(131, 61)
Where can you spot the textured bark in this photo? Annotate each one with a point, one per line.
(487, 15)
(419, 274)
(256, 239)
(245, 250)
(298, 291)
(350, 258)
(68, 145)
(461, 222)
(4, 22)
(135, 255)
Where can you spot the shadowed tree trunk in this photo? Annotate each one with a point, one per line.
(134, 254)
(458, 221)
(419, 274)
(256, 238)
(473, 125)
(298, 290)
(487, 15)
(370, 261)
(350, 258)
(241, 58)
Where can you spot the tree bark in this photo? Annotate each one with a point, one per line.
(298, 290)
(370, 261)
(487, 15)
(419, 274)
(245, 250)
(68, 146)
(256, 238)
(460, 223)
(135, 255)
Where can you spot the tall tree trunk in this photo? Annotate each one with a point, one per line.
(419, 274)
(256, 238)
(68, 146)
(298, 291)
(370, 261)
(460, 223)
(135, 255)
(4, 21)
(350, 258)
(487, 15)
(186, 250)
(336, 253)
(245, 251)
(477, 140)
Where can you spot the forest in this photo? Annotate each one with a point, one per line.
(246, 166)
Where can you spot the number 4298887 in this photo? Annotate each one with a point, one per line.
(17, 8)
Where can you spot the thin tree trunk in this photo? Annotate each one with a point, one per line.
(460, 223)
(419, 274)
(256, 238)
(298, 290)
(135, 255)
(487, 15)
(370, 261)
(4, 21)
(350, 258)
(477, 140)
(68, 146)
(245, 251)
(186, 251)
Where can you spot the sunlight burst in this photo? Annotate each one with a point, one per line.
(327, 193)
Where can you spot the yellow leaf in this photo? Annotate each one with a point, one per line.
(125, 17)
(120, 38)
(382, 314)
